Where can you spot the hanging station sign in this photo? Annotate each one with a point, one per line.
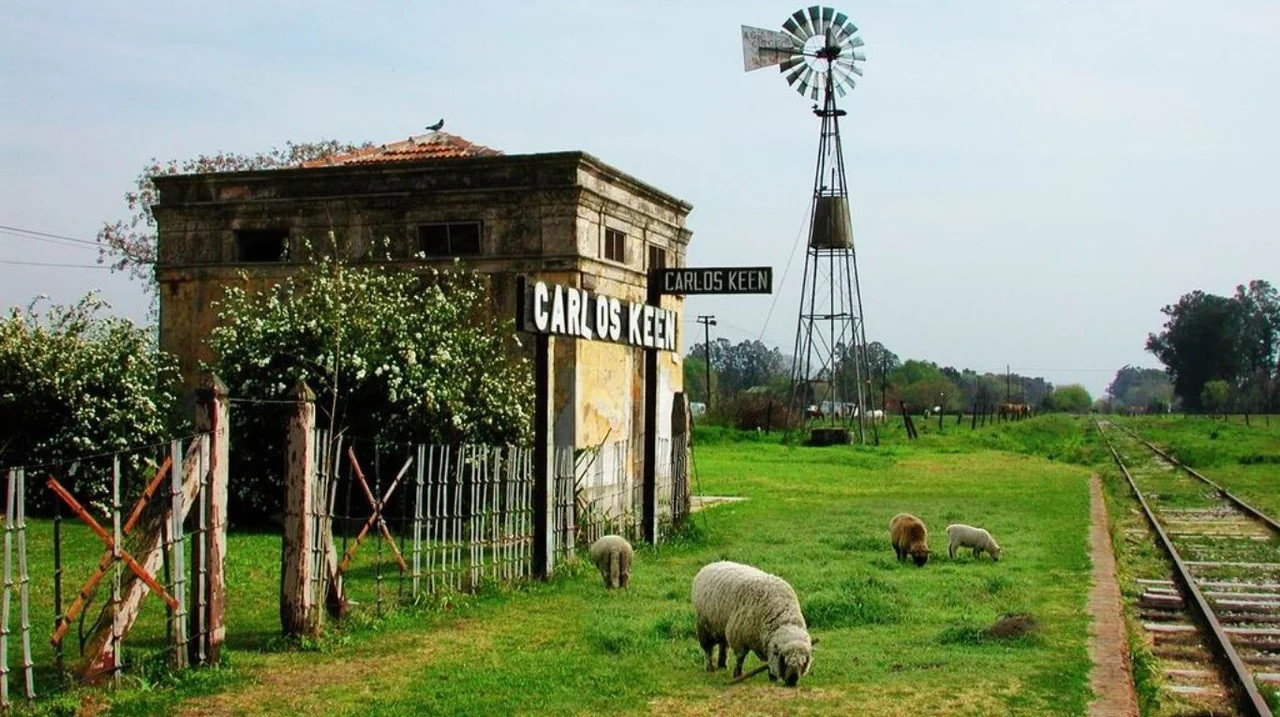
(559, 310)
(714, 280)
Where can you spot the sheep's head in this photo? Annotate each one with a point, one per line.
(790, 655)
(995, 551)
(920, 556)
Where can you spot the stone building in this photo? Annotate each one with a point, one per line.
(565, 217)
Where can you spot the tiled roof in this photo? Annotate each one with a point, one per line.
(435, 145)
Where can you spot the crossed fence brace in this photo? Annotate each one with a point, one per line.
(113, 551)
(375, 518)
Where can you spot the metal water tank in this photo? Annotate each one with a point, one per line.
(831, 226)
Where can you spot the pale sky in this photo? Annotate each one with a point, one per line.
(1030, 182)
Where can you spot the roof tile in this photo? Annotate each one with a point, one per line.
(436, 145)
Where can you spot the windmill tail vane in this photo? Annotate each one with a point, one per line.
(817, 48)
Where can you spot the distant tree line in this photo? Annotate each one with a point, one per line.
(748, 376)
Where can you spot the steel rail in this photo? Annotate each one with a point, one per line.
(1252, 511)
(1247, 695)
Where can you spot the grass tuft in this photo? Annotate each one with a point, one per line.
(862, 600)
(614, 639)
(674, 625)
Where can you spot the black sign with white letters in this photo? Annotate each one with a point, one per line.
(714, 280)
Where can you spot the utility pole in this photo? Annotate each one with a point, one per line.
(1008, 396)
(707, 321)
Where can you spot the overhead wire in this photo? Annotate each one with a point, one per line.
(32, 233)
(54, 264)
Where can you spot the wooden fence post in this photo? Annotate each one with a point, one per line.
(680, 420)
(213, 416)
(297, 601)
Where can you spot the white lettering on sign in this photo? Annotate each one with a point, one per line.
(636, 333)
(615, 319)
(602, 317)
(724, 280)
(541, 316)
(570, 311)
(557, 311)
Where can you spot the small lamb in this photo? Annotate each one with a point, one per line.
(967, 536)
(612, 555)
(744, 609)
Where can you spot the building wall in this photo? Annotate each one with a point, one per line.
(542, 216)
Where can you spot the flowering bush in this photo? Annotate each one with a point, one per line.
(391, 356)
(74, 382)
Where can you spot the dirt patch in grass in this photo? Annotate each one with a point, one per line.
(1013, 626)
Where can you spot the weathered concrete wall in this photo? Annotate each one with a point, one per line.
(542, 216)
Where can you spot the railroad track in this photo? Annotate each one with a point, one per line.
(1215, 621)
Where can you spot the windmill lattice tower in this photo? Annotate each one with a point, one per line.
(817, 52)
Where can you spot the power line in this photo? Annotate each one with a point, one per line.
(55, 242)
(49, 263)
(33, 233)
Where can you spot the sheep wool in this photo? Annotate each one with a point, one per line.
(744, 609)
(909, 537)
(967, 536)
(612, 555)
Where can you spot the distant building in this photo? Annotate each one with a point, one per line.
(565, 217)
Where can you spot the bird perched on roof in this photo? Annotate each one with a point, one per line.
(436, 127)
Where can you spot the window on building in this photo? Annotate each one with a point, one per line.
(449, 239)
(657, 257)
(261, 245)
(615, 245)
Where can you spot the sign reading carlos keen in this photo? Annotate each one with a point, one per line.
(567, 311)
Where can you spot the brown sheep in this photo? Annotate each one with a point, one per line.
(909, 537)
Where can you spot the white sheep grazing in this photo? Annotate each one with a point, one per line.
(749, 610)
(967, 536)
(612, 554)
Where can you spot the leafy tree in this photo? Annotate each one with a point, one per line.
(391, 357)
(695, 378)
(75, 382)
(1145, 388)
(881, 359)
(130, 244)
(923, 385)
(1200, 342)
(1072, 398)
(744, 365)
(1259, 326)
(882, 363)
(1214, 395)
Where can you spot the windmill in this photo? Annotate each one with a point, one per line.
(817, 52)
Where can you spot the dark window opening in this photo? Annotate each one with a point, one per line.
(449, 239)
(657, 257)
(261, 245)
(615, 245)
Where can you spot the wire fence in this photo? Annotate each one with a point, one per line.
(123, 525)
(411, 521)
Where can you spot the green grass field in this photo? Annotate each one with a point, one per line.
(1243, 459)
(894, 639)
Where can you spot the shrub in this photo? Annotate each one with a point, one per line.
(391, 356)
(75, 382)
